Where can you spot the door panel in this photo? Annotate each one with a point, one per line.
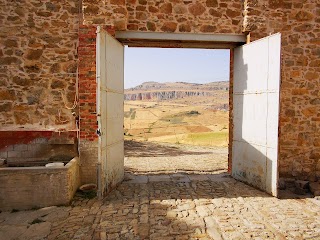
(250, 62)
(114, 126)
(250, 163)
(110, 80)
(115, 164)
(249, 109)
(256, 113)
(115, 105)
(115, 64)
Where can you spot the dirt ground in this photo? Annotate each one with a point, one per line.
(165, 158)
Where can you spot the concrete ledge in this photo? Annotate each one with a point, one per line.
(35, 187)
(178, 40)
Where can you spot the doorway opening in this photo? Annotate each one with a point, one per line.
(176, 111)
(254, 94)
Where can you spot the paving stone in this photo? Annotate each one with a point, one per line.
(8, 232)
(159, 178)
(223, 177)
(198, 177)
(213, 228)
(37, 231)
(180, 178)
(60, 213)
(208, 207)
(139, 179)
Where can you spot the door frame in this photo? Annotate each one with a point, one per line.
(189, 40)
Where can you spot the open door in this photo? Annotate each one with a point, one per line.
(256, 113)
(110, 84)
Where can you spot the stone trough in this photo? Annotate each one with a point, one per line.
(29, 187)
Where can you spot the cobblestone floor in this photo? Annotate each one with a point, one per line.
(171, 206)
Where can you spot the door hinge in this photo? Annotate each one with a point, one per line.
(98, 132)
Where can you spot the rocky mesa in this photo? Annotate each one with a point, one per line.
(155, 91)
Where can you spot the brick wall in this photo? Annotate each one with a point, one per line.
(87, 104)
(87, 87)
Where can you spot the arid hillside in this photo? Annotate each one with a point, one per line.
(214, 95)
(180, 113)
(155, 86)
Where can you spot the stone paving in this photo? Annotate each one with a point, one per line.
(171, 206)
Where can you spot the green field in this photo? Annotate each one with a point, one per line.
(199, 139)
(175, 123)
(209, 139)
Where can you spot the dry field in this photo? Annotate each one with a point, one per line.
(182, 121)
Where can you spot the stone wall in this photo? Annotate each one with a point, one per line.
(36, 187)
(38, 64)
(204, 16)
(297, 21)
(38, 77)
(299, 24)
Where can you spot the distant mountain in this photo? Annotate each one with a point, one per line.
(153, 86)
(176, 90)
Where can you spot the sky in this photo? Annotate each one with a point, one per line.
(175, 65)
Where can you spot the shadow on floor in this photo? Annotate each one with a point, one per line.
(192, 185)
(136, 171)
(141, 149)
(177, 205)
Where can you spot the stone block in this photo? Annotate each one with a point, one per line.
(301, 184)
(2, 162)
(20, 147)
(3, 154)
(159, 178)
(281, 184)
(315, 188)
(38, 186)
(14, 154)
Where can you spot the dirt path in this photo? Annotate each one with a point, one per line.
(156, 158)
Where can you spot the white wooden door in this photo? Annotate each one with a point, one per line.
(256, 113)
(110, 80)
